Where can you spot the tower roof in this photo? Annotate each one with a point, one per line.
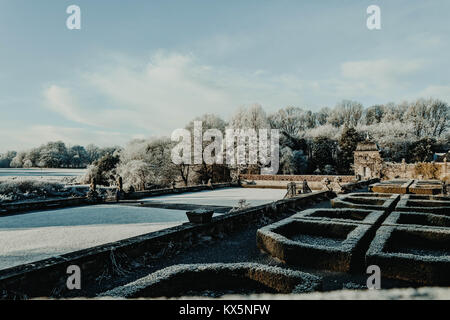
(367, 146)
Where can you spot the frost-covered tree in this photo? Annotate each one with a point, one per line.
(156, 153)
(327, 130)
(290, 121)
(136, 173)
(53, 155)
(251, 119)
(322, 116)
(6, 158)
(17, 161)
(374, 114)
(78, 157)
(347, 112)
(203, 172)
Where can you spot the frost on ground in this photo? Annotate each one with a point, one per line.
(26, 189)
(49, 175)
(35, 236)
(39, 184)
(229, 197)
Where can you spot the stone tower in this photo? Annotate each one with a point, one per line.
(367, 160)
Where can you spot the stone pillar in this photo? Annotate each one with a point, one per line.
(445, 167)
(404, 167)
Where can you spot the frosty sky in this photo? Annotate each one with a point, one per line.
(144, 68)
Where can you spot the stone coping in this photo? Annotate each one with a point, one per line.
(417, 219)
(364, 202)
(176, 280)
(344, 215)
(412, 254)
(391, 186)
(422, 187)
(440, 206)
(313, 248)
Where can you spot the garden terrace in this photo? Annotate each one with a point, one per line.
(430, 187)
(362, 202)
(341, 215)
(228, 278)
(315, 182)
(417, 219)
(119, 260)
(391, 186)
(318, 244)
(413, 254)
(439, 206)
(428, 197)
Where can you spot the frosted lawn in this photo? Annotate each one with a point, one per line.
(39, 235)
(224, 197)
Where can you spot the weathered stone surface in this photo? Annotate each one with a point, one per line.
(367, 160)
(318, 244)
(430, 187)
(435, 205)
(358, 201)
(196, 280)
(412, 254)
(417, 219)
(424, 293)
(200, 216)
(391, 186)
(342, 215)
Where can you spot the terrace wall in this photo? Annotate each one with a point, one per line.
(20, 207)
(281, 181)
(403, 170)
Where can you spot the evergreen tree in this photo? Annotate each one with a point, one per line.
(347, 145)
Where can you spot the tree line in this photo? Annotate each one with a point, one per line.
(320, 142)
(55, 155)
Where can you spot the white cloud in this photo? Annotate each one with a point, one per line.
(156, 97)
(383, 70)
(61, 101)
(382, 78)
(166, 93)
(436, 91)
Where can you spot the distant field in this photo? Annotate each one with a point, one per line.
(41, 174)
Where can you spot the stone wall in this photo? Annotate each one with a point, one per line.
(24, 207)
(281, 181)
(403, 170)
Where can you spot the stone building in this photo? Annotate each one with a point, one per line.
(367, 160)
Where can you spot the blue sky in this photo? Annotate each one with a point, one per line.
(144, 68)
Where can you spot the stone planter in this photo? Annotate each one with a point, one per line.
(200, 216)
